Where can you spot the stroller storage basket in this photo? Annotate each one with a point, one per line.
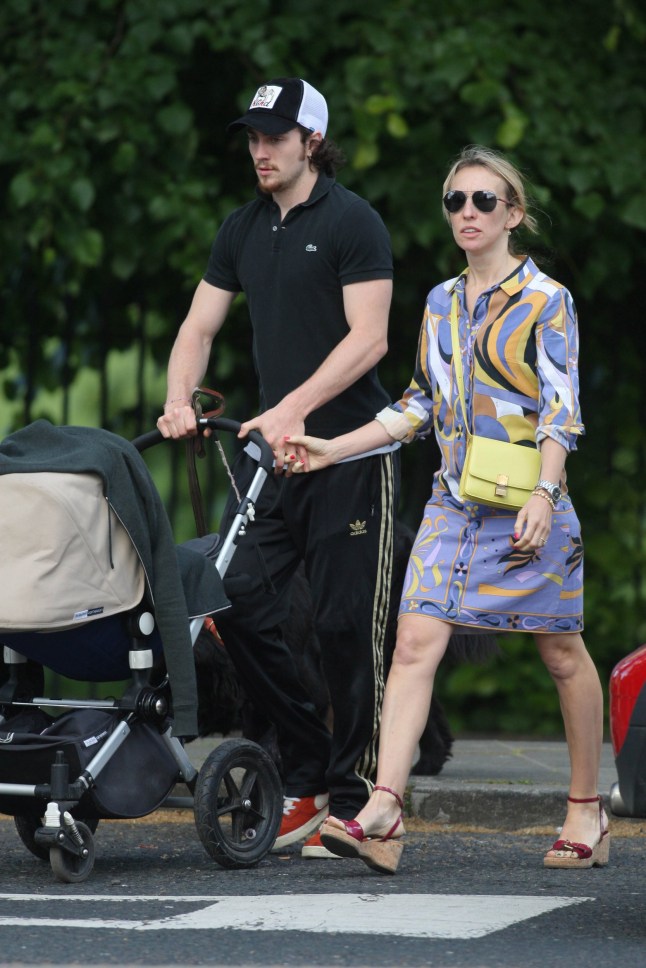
(126, 787)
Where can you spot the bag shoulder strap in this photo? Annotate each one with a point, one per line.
(457, 358)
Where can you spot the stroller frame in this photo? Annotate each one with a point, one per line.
(237, 819)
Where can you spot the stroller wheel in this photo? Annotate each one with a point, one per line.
(238, 804)
(72, 867)
(27, 825)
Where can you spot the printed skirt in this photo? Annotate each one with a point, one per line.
(464, 569)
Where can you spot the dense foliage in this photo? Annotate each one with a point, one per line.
(116, 170)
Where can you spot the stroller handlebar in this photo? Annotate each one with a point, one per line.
(266, 459)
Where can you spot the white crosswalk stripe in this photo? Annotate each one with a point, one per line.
(446, 916)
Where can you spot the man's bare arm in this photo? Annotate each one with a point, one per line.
(189, 357)
(367, 305)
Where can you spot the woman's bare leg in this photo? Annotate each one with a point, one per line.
(421, 643)
(577, 681)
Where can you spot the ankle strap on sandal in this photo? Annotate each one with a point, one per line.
(393, 793)
(596, 799)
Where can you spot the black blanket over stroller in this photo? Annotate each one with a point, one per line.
(172, 573)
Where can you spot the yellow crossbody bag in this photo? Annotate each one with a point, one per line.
(495, 472)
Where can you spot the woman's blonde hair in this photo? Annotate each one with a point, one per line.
(498, 165)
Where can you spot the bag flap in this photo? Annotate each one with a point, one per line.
(488, 459)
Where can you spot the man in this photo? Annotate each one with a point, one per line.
(315, 264)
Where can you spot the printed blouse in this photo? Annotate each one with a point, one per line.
(520, 365)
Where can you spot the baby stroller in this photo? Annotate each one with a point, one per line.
(93, 587)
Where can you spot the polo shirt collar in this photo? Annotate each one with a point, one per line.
(321, 187)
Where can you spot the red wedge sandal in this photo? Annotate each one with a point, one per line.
(381, 854)
(579, 856)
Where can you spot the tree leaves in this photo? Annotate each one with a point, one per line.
(117, 170)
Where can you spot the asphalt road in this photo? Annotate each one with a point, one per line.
(461, 898)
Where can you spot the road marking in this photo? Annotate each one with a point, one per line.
(447, 916)
(116, 898)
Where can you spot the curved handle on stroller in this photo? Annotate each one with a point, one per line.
(266, 460)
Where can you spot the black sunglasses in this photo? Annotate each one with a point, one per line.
(483, 200)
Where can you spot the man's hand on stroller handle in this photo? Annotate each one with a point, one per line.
(178, 420)
(276, 426)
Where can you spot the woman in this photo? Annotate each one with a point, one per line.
(475, 566)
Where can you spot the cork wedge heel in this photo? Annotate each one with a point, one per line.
(381, 854)
(572, 856)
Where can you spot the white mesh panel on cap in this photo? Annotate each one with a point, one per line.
(313, 110)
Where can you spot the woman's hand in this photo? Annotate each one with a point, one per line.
(533, 524)
(308, 454)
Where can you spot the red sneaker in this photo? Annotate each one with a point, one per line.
(301, 816)
(313, 848)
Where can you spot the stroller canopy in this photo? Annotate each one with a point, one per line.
(67, 559)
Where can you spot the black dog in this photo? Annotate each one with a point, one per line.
(223, 707)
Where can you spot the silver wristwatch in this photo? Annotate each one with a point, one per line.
(553, 490)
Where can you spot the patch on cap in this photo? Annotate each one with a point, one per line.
(265, 97)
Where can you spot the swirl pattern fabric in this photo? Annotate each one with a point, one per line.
(520, 363)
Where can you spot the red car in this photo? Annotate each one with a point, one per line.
(628, 734)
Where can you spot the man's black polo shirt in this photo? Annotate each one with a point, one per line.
(293, 274)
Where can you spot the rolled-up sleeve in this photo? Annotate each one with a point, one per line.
(557, 345)
(412, 415)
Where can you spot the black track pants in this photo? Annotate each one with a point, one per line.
(340, 522)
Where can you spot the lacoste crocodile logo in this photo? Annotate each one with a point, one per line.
(357, 527)
(311, 248)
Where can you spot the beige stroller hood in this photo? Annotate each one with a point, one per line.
(66, 558)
